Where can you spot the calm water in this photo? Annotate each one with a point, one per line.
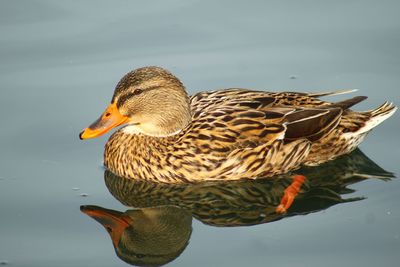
(59, 63)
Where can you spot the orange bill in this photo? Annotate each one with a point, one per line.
(109, 119)
(113, 221)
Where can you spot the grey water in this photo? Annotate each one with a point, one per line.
(60, 61)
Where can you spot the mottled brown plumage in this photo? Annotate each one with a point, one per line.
(226, 134)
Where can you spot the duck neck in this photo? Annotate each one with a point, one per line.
(163, 123)
(165, 126)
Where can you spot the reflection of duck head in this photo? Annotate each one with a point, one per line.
(145, 237)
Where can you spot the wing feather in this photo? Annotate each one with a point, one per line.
(250, 118)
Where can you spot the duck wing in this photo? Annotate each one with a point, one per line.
(239, 117)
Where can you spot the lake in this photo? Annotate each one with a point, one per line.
(60, 62)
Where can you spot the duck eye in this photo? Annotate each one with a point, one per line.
(138, 91)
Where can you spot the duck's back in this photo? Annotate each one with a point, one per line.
(236, 117)
(258, 117)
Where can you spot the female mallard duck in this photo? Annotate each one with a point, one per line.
(226, 134)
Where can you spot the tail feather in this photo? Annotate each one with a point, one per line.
(378, 115)
(386, 108)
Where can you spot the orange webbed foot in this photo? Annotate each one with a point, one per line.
(290, 193)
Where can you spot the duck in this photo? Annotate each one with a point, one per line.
(224, 134)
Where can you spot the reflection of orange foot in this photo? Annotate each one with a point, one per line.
(290, 193)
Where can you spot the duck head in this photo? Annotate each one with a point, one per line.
(150, 100)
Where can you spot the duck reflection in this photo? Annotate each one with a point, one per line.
(158, 228)
(145, 237)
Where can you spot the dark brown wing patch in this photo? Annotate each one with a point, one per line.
(311, 123)
(348, 103)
